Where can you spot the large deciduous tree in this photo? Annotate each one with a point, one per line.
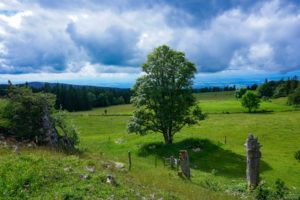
(163, 95)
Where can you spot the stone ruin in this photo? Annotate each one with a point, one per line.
(184, 163)
(253, 159)
(50, 133)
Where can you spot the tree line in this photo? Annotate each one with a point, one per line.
(270, 89)
(78, 98)
(274, 89)
(214, 89)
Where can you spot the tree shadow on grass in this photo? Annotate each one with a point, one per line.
(211, 157)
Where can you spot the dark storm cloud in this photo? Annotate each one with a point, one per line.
(113, 46)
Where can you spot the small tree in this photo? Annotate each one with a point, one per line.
(250, 100)
(294, 98)
(163, 96)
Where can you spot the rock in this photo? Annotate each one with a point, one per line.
(197, 149)
(83, 176)
(16, 149)
(107, 165)
(152, 196)
(152, 147)
(119, 165)
(68, 169)
(49, 131)
(90, 169)
(111, 180)
(119, 141)
(3, 143)
(184, 163)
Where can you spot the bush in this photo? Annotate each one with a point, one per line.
(262, 192)
(294, 98)
(297, 155)
(280, 190)
(31, 115)
(24, 111)
(68, 134)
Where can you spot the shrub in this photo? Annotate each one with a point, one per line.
(28, 112)
(294, 98)
(280, 190)
(25, 111)
(262, 192)
(297, 155)
(68, 134)
(211, 184)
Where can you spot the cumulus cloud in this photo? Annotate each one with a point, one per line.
(115, 36)
(265, 38)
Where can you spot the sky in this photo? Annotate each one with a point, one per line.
(105, 42)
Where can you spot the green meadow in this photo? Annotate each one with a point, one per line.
(218, 170)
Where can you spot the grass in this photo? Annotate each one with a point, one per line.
(218, 171)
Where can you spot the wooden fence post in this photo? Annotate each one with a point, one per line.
(129, 160)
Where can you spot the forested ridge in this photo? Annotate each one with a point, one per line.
(77, 98)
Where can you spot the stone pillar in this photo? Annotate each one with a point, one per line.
(253, 159)
(184, 163)
(49, 131)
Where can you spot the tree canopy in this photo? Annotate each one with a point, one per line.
(250, 100)
(163, 96)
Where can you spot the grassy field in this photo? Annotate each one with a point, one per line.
(218, 170)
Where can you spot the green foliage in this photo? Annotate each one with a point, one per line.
(294, 98)
(281, 190)
(262, 192)
(281, 90)
(69, 135)
(266, 89)
(250, 100)
(163, 96)
(211, 184)
(24, 111)
(239, 93)
(297, 155)
(239, 189)
(24, 114)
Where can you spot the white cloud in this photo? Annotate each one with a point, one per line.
(97, 40)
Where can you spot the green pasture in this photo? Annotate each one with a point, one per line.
(218, 170)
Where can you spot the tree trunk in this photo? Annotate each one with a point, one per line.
(168, 138)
